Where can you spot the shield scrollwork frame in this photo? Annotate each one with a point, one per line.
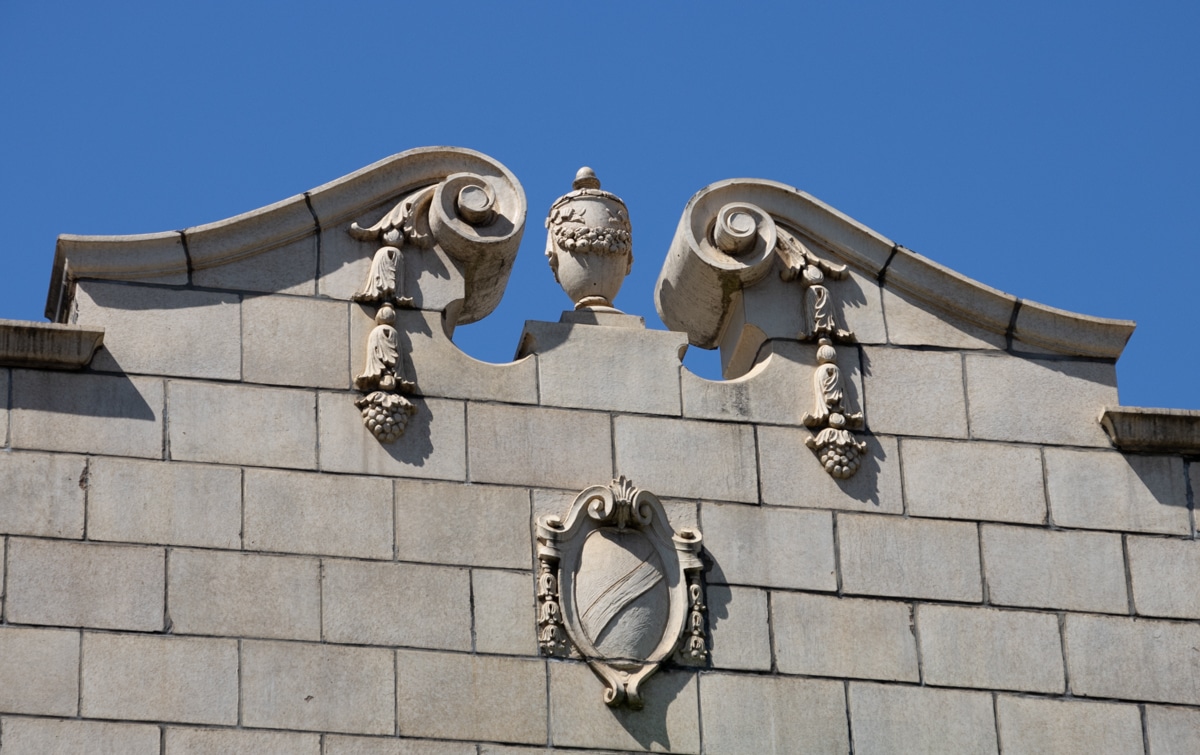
(622, 506)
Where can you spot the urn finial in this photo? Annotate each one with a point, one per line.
(588, 243)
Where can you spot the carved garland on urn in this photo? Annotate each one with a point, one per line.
(618, 584)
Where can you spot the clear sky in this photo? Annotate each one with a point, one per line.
(1047, 149)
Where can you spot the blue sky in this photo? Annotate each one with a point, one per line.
(1046, 149)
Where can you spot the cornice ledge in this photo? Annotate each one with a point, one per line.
(1161, 431)
(47, 345)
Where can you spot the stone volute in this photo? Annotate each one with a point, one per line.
(588, 243)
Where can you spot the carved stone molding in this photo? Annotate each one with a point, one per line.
(621, 586)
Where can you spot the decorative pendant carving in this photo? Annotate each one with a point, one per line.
(385, 412)
(589, 243)
(622, 585)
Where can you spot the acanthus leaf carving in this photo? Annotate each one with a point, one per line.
(840, 454)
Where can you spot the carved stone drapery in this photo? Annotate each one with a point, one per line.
(622, 586)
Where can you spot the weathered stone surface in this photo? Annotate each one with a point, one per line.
(1172, 731)
(470, 525)
(37, 736)
(827, 636)
(275, 327)
(344, 745)
(396, 604)
(287, 269)
(1076, 571)
(890, 719)
(975, 480)
(912, 323)
(433, 445)
(1066, 332)
(687, 458)
(913, 558)
(42, 494)
(1164, 575)
(739, 627)
(1106, 490)
(549, 447)
(792, 474)
(331, 515)
(5, 384)
(490, 749)
(914, 392)
(237, 742)
(457, 696)
(235, 424)
(769, 547)
(1133, 659)
(286, 685)
(1030, 725)
(504, 612)
(244, 595)
(990, 649)
(148, 678)
(164, 502)
(767, 393)
(1136, 429)
(49, 345)
(158, 331)
(591, 366)
(83, 413)
(85, 585)
(772, 715)
(1012, 398)
(39, 672)
(579, 718)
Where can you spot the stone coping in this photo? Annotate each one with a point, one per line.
(47, 345)
(695, 288)
(168, 257)
(1160, 431)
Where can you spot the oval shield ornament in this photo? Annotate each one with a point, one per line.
(621, 586)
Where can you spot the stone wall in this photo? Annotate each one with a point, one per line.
(204, 550)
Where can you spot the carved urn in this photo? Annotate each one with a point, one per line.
(588, 243)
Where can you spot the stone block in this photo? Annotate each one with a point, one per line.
(912, 392)
(990, 649)
(772, 715)
(345, 745)
(822, 635)
(792, 474)
(39, 672)
(171, 503)
(81, 412)
(505, 616)
(244, 595)
(739, 627)
(912, 323)
(887, 719)
(554, 448)
(1058, 402)
(610, 369)
(1037, 568)
(1033, 726)
(37, 736)
(458, 696)
(5, 384)
(413, 605)
(433, 445)
(687, 458)
(670, 721)
(85, 585)
(149, 678)
(229, 253)
(43, 494)
(468, 525)
(1133, 659)
(769, 547)
(1106, 490)
(287, 269)
(767, 393)
(1172, 731)
(909, 558)
(159, 331)
(181, 741)
(332, 515)
(490, 749)
(236, 424)
(976, 480)
(286, 685)
(1164, 574)
(274, 328)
